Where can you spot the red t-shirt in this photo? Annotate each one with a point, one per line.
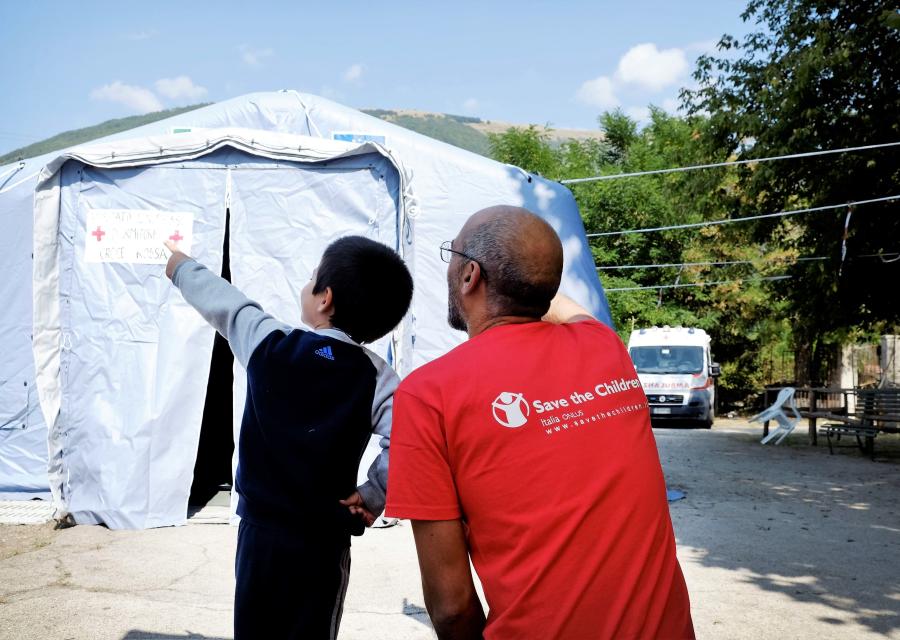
(538, 437)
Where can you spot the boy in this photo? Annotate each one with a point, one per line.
(313, 399)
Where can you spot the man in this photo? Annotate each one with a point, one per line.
(528, 448)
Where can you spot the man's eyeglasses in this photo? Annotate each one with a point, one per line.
(447, 253)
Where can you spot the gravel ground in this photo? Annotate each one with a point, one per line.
(775, 542)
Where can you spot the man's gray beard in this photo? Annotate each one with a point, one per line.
(454, 316)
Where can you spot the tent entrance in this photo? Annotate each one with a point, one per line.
(212, 470)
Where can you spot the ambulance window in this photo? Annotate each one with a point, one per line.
(670, 359)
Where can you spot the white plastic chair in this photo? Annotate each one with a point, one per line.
(776, 412)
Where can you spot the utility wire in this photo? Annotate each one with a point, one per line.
(697, 264)
(808, 154)
(697, 284)
(777, 214)
(886, 257)
(883, 254)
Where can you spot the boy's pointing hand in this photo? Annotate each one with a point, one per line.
(177, 257)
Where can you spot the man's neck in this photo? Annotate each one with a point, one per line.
(481, 325)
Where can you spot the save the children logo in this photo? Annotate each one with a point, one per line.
(510, 409)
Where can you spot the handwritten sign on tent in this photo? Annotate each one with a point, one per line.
(135, 235)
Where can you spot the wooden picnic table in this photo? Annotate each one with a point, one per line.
(859, 412)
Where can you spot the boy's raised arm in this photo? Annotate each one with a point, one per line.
(240, 320)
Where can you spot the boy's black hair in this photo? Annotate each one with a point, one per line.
(371, 287)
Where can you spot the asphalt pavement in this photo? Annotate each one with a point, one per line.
(775, 542)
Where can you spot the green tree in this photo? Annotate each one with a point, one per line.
(738, 315)
(528, 148)
(815, 74)
(620, 130)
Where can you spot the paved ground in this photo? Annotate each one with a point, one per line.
(775, 542)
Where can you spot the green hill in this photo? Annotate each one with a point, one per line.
(466, 132)
(447, 128)
(80, 136)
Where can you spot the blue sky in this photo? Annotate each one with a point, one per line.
(73, 65)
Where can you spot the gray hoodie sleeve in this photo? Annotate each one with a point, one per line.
(240, 320)
(373, 491)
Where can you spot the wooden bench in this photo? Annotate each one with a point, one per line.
(873, 411)
(862, 413)
(865, 437)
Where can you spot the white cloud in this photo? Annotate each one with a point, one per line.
(135, 98)
(598, 92)
(648, 67)
(638, 114)
(353, 73)
(471, 105)
(180, 87)
(254, 57)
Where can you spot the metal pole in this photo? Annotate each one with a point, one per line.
(813, 436)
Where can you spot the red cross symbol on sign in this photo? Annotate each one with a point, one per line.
(176, 237)
(98, 233)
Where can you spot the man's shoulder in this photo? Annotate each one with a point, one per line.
(590, 324)
(586, 329)
(592, 330)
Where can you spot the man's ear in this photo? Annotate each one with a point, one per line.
(471, 276)
(325, 301)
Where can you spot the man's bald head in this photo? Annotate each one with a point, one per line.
(521, 256)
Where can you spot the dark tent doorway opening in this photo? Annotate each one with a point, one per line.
(212, 470)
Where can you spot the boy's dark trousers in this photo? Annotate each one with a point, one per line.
(289, 584)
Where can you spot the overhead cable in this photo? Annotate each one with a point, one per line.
(808, 154)
(696, 284)
(886, 257)
(698, 264)
(777, 214)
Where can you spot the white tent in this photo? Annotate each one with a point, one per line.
(122, 364)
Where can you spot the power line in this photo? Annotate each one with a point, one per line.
(886, 257)
(697, 284)
(698, 264)
(808, 154)
(777, 214)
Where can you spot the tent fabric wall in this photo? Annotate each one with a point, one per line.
(23, 436)
(441, 186)
(123, 361)
(451, 184)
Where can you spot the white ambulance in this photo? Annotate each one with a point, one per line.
(677, 373)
